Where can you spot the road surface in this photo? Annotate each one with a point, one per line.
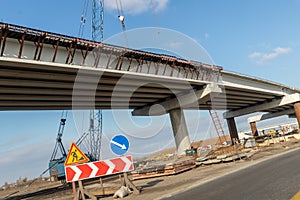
(276, 178)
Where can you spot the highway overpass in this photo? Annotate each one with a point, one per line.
(41, 70)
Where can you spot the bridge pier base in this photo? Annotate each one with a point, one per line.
(233, 130)
(180, 131)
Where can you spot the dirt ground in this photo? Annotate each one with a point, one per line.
(159, 187)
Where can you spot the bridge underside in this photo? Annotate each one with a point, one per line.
(32, 85)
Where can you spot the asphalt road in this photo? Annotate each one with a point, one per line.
(276, 178)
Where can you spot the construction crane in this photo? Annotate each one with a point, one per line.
(98, 20)
(95, 128)
(94, 136)
(56, 164)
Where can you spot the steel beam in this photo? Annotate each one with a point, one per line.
(259, 86)
(270, 115)
(287, 99)
(69, 98)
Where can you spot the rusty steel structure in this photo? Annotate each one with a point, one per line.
(189, 69)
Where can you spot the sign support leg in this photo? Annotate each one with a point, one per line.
(128, 183)
(101, 185)
(82, 193)
(74, 189)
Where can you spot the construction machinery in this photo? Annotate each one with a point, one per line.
(95, 130)
(94, 134)
(58, 157)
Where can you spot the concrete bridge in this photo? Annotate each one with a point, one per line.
(40, 70)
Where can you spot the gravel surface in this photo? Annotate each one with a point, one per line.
(159, 187)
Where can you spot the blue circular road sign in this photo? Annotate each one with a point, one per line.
(119, 144)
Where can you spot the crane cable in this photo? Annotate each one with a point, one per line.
(120, 12)
(121, 17)
(83, 18)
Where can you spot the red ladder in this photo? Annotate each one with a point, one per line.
(218, 126)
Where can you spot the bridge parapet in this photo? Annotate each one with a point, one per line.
(26, 43)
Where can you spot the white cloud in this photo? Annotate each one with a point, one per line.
(261, 58)
(255, 55)
(135, 7)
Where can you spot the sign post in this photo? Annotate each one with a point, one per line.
(75, 156)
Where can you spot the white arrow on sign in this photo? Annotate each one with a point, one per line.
(122, 146)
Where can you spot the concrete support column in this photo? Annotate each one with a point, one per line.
(233, 130)
(297, 112)
(180, 131)
(254, 128)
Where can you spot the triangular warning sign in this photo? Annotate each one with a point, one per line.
(75, 156)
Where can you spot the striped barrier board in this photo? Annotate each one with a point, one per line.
(98, 168)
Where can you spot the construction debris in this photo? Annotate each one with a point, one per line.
(122, 192)
(163, 169)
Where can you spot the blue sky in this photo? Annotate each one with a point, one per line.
(259, 38)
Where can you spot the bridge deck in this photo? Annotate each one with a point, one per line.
(47, 71)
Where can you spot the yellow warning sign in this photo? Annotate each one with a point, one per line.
(75, 156)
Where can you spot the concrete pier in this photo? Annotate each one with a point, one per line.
(233, 130)
(180, 131)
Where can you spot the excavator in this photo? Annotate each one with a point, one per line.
(59, 155)
(56, 164)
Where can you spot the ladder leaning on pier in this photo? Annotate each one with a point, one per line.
(218, 126)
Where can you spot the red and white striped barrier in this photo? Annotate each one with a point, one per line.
(98, 168)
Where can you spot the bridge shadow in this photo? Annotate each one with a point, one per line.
(151, 183)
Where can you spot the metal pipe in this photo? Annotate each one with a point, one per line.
(3, 44)
(55, 50)
(22, 44)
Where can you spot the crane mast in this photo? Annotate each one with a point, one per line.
(95, 134)
(98, 20)
(95, 128)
